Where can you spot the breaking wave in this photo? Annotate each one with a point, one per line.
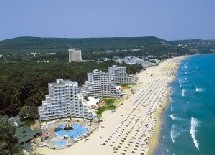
(175, 118)
(199, 89)
(173, 133)
(194, 123)
(183, 92)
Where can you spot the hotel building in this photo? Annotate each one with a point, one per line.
(119, 75)
(99, 84)
(64, 101)
(75, 55)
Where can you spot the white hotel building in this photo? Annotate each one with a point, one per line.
(99, 84)
(120, 76)
(75, 55)
(64, 101)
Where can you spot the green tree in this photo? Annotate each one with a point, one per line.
(28, 112)
(24, 112)
(34, 112)
(8, 141)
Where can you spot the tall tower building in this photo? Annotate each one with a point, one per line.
(75, 55)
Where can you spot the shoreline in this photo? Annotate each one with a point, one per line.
(139, 112)
(156, 135)
(159, 116)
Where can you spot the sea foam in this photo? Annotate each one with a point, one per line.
(183, 92)
(175, 118)
(194, 123)
(171, 108)
(199, 89)
(173, 133)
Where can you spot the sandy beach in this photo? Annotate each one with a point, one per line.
(134, 127)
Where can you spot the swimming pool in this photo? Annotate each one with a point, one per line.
(59, 144)
(75, 133)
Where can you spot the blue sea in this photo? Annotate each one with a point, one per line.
(188, 126)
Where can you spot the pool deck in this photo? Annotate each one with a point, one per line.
(49, 128)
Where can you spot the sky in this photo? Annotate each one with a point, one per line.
(166, 19)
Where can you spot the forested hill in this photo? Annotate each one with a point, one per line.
(83, 44)
(94, 48)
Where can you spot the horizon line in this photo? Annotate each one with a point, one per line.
(102, 37)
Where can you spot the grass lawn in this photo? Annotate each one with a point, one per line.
(125, 86)
(109, 105)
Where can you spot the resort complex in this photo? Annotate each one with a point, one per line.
(129, 129)
(131, 60)
(70, 113)
(66, 115)
(71, 116)
(64, 101)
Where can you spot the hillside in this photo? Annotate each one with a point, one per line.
(83, 44)
(97, 48)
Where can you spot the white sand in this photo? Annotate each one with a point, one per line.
(131, 126)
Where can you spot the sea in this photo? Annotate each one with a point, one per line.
(188, 123)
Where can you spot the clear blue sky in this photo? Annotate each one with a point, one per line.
(167, 19)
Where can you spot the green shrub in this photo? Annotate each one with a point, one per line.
(109, 105)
